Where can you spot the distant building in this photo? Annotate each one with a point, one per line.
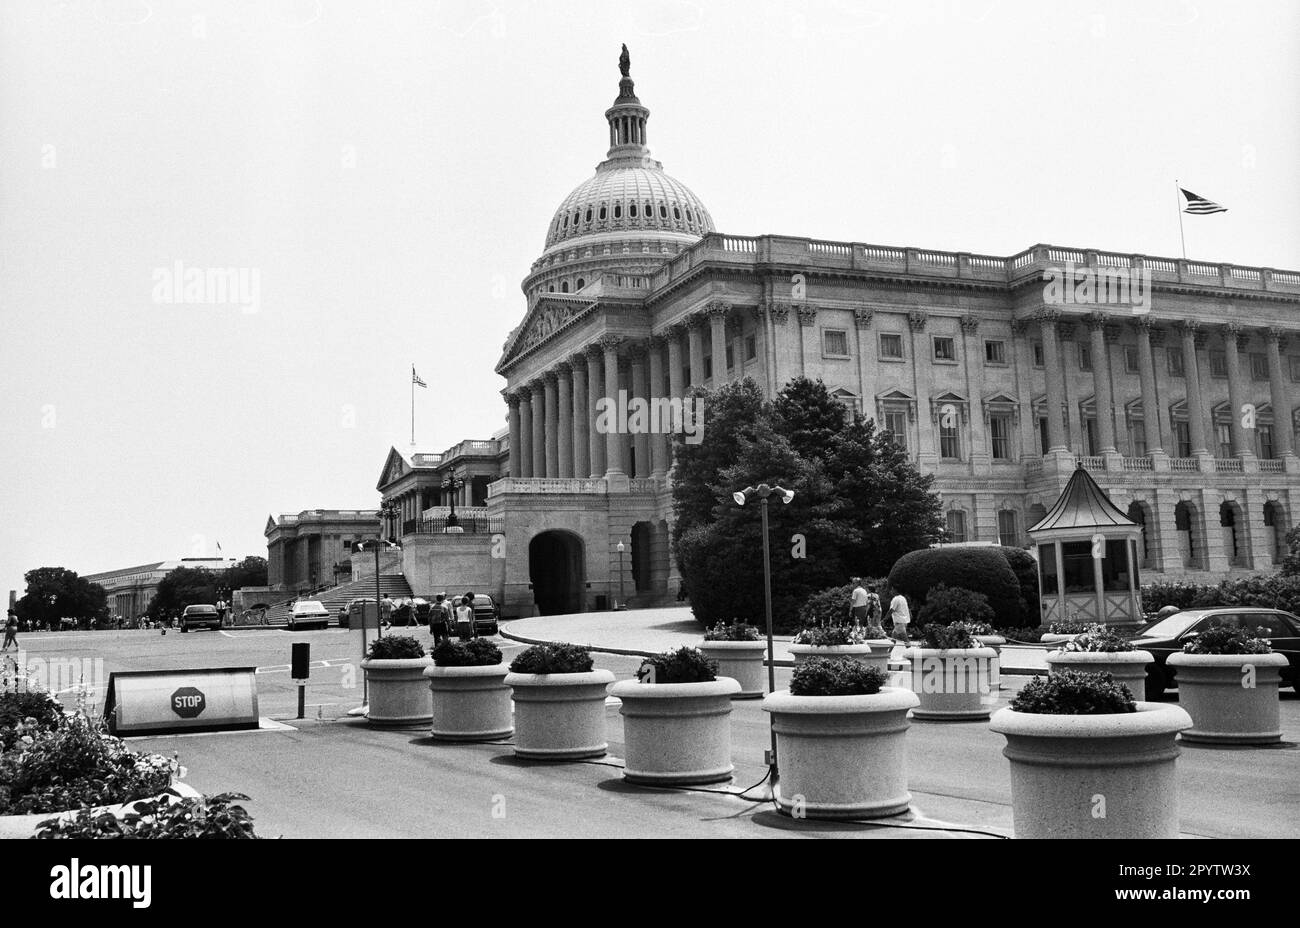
(313, 549)
(131, 589)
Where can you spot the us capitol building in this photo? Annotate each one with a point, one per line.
(993, 387)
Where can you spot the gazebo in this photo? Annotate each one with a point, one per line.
(1087, 557)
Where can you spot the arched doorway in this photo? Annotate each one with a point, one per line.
(555, 571)
(1186, 520)
(1234, 534)
(1275, 523)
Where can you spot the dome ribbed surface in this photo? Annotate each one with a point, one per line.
(616, 200)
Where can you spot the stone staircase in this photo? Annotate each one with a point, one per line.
(338, 597)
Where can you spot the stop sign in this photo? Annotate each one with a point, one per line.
(188, 702)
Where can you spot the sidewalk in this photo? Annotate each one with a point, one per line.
(642, 632)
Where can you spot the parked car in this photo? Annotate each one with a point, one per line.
(201, 616)
(1167, 636)
(308, 613)
(487, 614)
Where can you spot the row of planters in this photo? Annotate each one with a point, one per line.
(63, 776)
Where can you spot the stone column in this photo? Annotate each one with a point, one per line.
(539, 429)
(552, 424)
(717, 312)
(564, 397)
(695, 337)
(1152, 413)
(1188, 330)
(578, 413)
(525, 436)
(676, 388)
(614, 469)
(640, 391)
(1241, 446)
(512, 416)
(660, 448)
(1279, 397)
(1047, 319)
(1101, 395)
(595, 391)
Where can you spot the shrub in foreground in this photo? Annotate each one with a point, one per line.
(735, 630)
(477, 652)
(682, 665)
(1074, 692)
(395, 648)
(955, 635)
(1224, 640)
(947, 604)
(836, 676)
(553, 658)
(172, 816)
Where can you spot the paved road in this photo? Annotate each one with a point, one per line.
(338, 777)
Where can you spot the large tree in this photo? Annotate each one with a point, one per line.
(56, 593)
(184, 586)
(251, 571)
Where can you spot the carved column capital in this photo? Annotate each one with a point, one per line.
(779, 311)
(512, 398)
(862, 317)
(610, 342)
(1276, 335)
(916, 320)
(716, 308)
(1096, 321)
(807, 314)
(563, 368)
(969, 323)
(1046, 316)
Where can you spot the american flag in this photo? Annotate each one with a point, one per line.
(415, 378)
(1199, 206)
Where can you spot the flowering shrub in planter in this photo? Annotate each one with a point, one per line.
(952, 674)
(173, 814)
(1061, 632)
(838, 641)
(733, 631)
(471, 701)
(840, 741)
(26, 712)
(676, 720)
(559, 703)
(394, 669)
(738, 650)
(1099, 649)
(1088, 761)
(1228, 682)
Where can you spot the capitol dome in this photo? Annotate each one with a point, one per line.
(629, 218)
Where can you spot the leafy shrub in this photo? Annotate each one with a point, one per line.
(26, 712)
(477, 652)
(171, 816)
(843, 676)
(831, 606)
(1276, 591)
(981, 570)
(1226, 640)
(1155, 596)
(831, 635)
(955, 635)
(1067, 628)
(395, 648)
(981, 628)
(1098, 638)
(945, 605)
(1025, 566)
(76, 766)
(1031, 635)
(682, 665)
(1074, 692)
(553, 658)
(732, 631)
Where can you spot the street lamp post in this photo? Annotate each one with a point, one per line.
(763, 491)
(454, 484)
(622, 600)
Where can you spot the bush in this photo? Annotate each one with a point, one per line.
(553, 658)
(1226, 640)
(1155, 596)
(831, 606)
(827, 636)
(395, 648)
(1030, 635)
(682, 665)
(732, 631)
(1025, 566)
(1067, 628)
(1098, 638)
(843, 676)
(981, 570)
(24, 712)
(1276, 591)
(76, 766)
(1074, 692)
(477, 652)
(172, 816)
(945, 605)
(956, 635)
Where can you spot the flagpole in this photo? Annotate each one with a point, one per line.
(413, 403)
(1178, 204)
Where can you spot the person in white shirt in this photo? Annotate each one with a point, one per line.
(901, 617)
(858, 602)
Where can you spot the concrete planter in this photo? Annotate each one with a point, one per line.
(842, 756)
(952, 684)
(860, 652)
(742, 661)
(559, 716)
(25, 826)
(1094, 776)
(1127, 667)
(676, 733)
(398, 693)
(470, 703)
(995, 669)
(1232, 698)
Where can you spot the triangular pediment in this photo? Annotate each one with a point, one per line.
(270, 525)
(551, 314)
(394, 467)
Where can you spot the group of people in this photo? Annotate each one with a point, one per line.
(865, 609)
(448, 613)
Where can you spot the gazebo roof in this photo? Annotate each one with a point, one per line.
(1083, 505)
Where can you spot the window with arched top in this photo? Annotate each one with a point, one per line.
(618, 210)
(603, 211)
(663, 211)
(677, 213)
(631, 210)
(581, 283)
(589, 214)
(649, 209)
(564, 287)
(689, 216)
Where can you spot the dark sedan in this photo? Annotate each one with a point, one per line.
(1168, 635)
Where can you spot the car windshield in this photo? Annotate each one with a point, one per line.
(1173, 626)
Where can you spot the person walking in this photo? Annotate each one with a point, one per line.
(465, 618)
(873, 607)
(386, 610)
(858, 602)
(11, 631)
(901, 616)
(438, 619)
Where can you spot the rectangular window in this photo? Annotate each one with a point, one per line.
(731, 358)
(891, 346)
(1000, 436)
(896, 423)
(1175, 356)
(1223, 435)
(1008, 536)
(1218, 364)
(956, 526)
(949, 443)
(1076, 557)
(944, 349)
(1091, 437)
(686, 374)
(1183, 437)
(1085, 357)
(1047, 567)
(1038, 354)
(751, 348)
(1114, 566)
(1044, 441)
(995, 352)
(1259, 367)
(1131, 360)
(1295, 368)
(835, 343)
(708, 366)
(1264, 438)
(1137, 438)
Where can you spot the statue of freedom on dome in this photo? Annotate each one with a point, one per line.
(625, 62)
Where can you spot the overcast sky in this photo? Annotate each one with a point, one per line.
(388, 171)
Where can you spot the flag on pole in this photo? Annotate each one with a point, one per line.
(415, 378)
(1199, 206)
(218, 547)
